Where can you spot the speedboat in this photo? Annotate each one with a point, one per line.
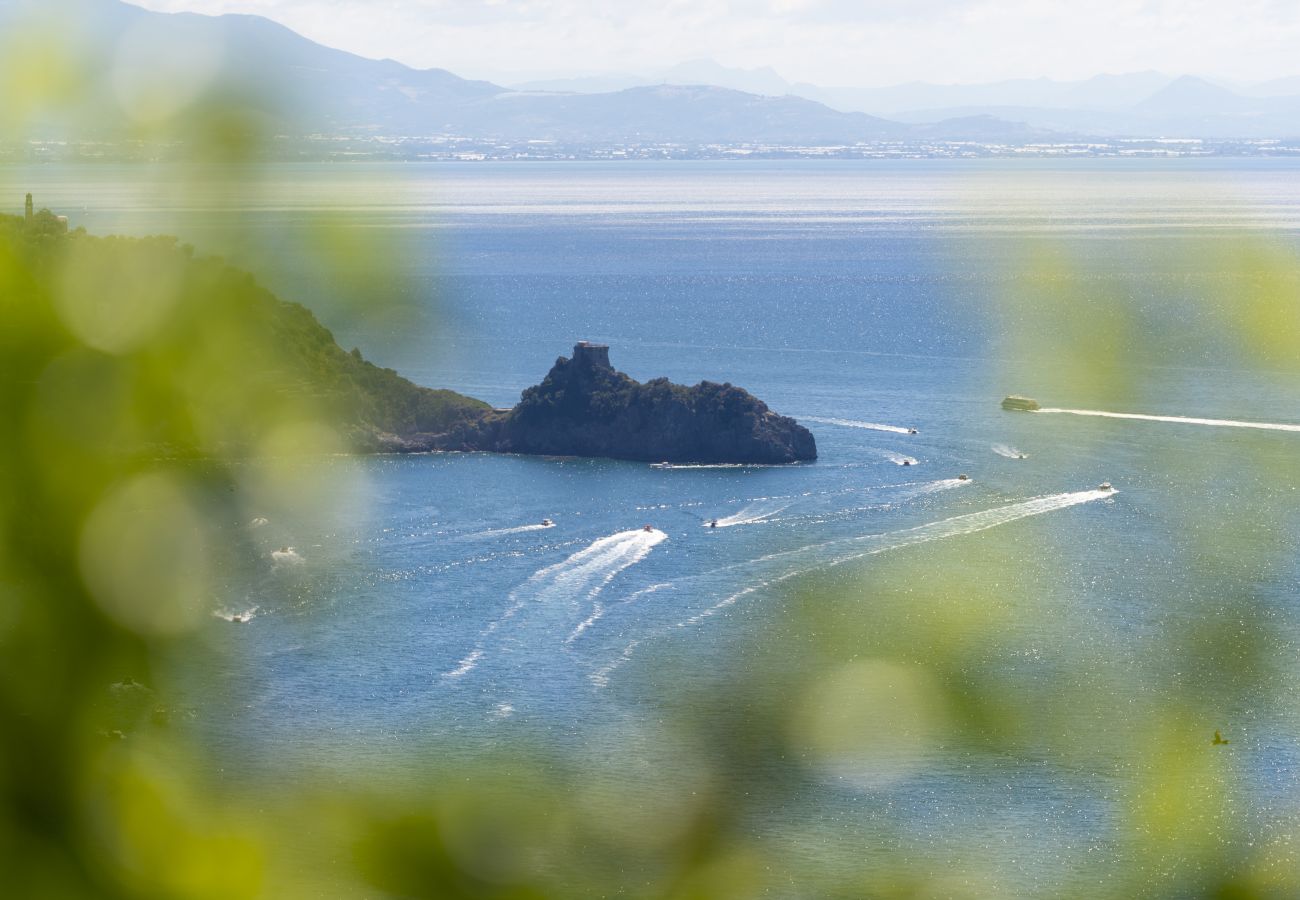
(907, 462)
(661, 465)
(963, 477)
(1105, 486)
(912, 431)
(713, 523)
(1022, 404)
(647, 528)
(547, 523)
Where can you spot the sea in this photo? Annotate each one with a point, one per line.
(887, 305)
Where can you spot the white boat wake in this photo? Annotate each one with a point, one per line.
(1009, 452)
(899, 459)
(1182, 420)
(286, 557)
(598, 609)
(753, 514)
(665, 465)
(792, 563)
(580, 577)
(238, 618)
(518, 529)
(912, 490)
(853, 423)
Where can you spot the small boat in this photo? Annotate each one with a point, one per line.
(1219, 740)
(661, 465)
(647, 528)
(912, 431)
(547, 523)
(241, 618)
(1022, 404)
(1105, 486)
(713, 523)
(906, 462)
(963, 477)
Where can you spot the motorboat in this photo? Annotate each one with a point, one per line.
(713, 523)
(1021, 404)
(963, 477)
(1105, 486)
(906, 462)
(547, 523)
(661, 465)
(647, 528)
(912, 431)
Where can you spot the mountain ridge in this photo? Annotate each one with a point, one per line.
(286, 84)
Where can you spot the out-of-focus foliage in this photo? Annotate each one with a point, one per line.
(120, 355)
(147, 394)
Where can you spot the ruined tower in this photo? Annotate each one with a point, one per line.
(595, 355)
(29, 211)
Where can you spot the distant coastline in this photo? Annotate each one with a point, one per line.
(464, 149)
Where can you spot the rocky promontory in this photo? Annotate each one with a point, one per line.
(221, 365)
(584, 407)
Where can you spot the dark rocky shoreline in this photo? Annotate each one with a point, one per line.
(584, 407)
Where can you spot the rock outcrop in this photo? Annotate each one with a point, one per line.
(584, 407)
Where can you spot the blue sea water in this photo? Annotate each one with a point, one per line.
(424, 601)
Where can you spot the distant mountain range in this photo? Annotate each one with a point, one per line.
(142, 64)
(1138, 104)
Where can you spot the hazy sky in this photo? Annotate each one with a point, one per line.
(829, 42)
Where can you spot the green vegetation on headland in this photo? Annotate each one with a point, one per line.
(185, 341)
(203, 361)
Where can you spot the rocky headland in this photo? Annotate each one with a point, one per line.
(220, 364)
(585, 407)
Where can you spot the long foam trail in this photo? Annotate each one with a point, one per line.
(834, 553)
(752, 514)
(1182, 420)
(718, 465)
(853, 423)
(582, 575)
(598, 609)
(851, 549)
(915, 489)
(518, 529)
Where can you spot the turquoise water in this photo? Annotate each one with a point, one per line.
(427, 603)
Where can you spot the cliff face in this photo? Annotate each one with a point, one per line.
(586, 408)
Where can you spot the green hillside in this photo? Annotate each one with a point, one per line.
(200, 358)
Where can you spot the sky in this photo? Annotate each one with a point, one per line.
(825, 42)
